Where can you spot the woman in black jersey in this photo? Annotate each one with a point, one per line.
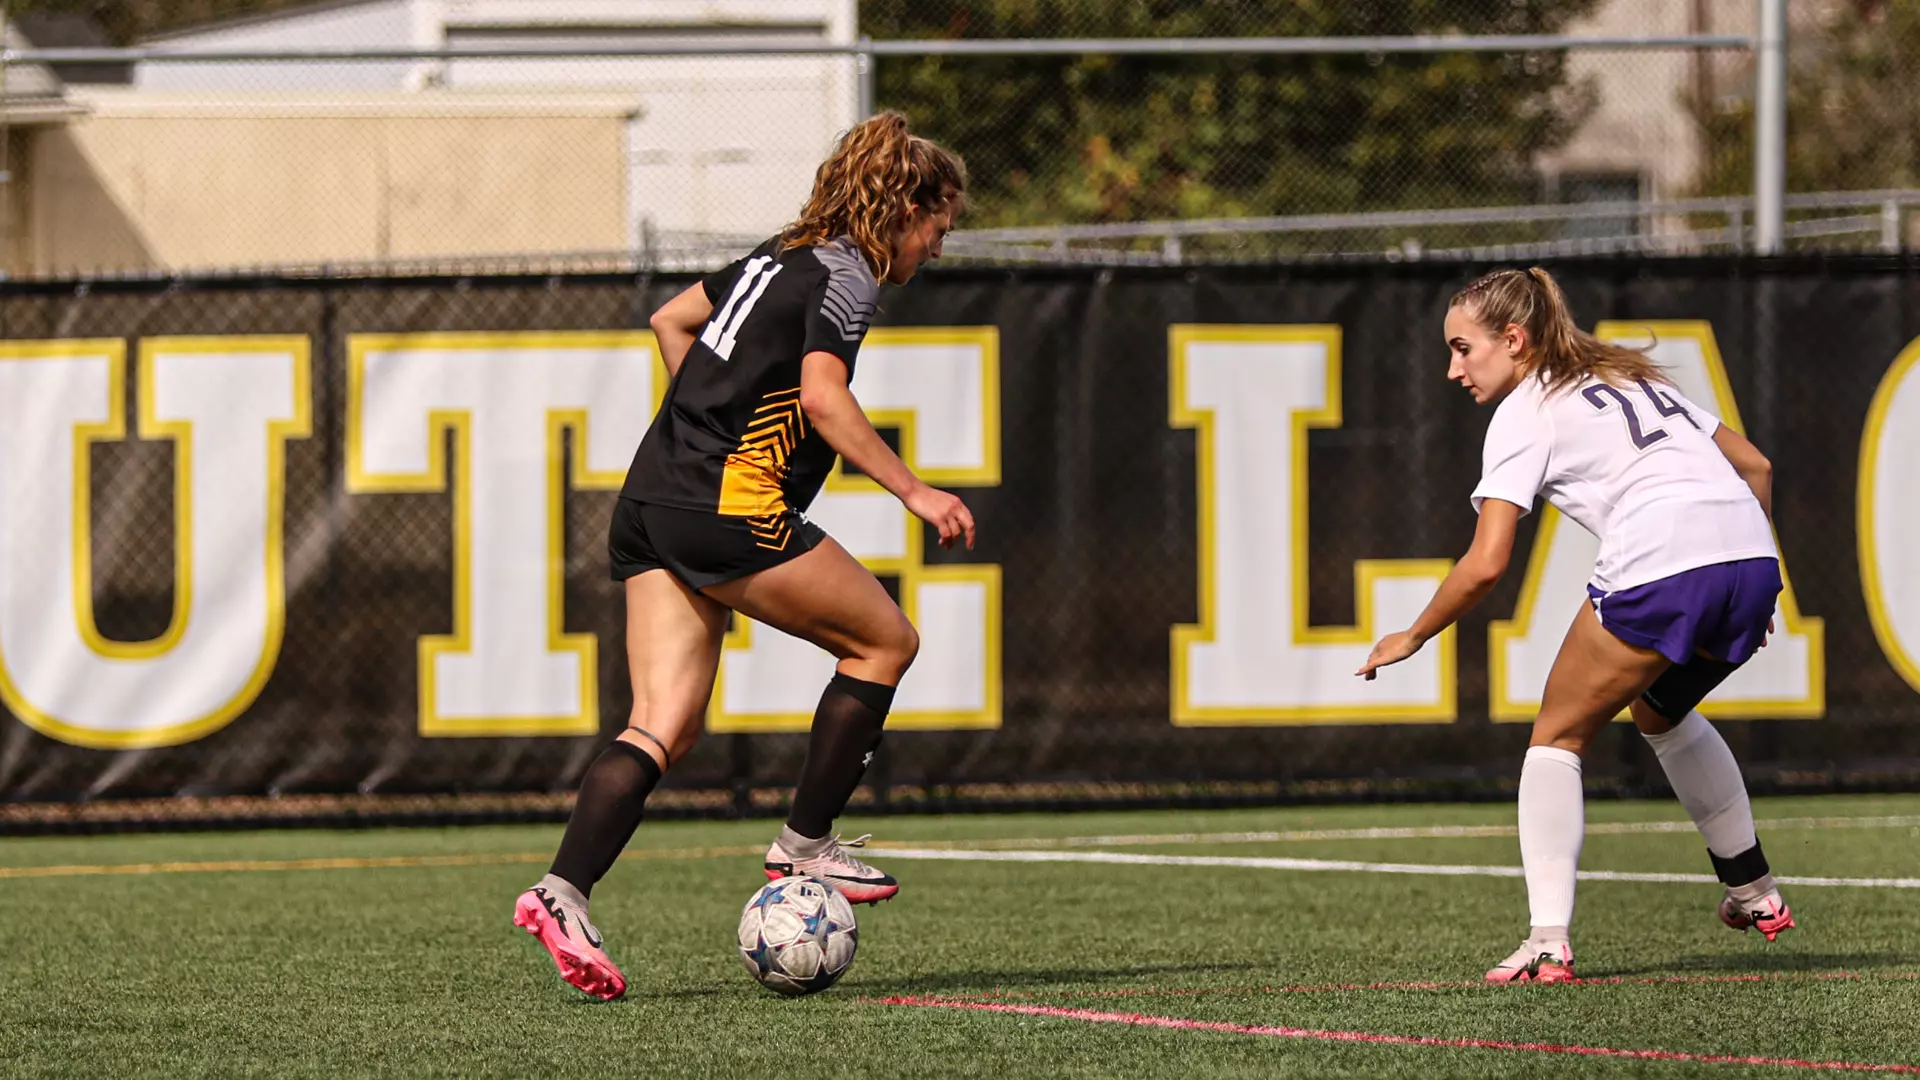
(710, 520)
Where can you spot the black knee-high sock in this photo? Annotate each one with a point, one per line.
(846, 731)
(612, 796)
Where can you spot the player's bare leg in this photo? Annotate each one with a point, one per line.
(1593, 678)
(673, 650)
(826, 597)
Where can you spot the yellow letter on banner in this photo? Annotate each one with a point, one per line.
(1887, 519)
(940, 388)
(1252, 392)
(1787, 679)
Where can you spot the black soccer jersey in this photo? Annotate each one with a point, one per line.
(730, 436)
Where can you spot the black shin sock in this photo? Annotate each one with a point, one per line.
(1748, 866)
(612, 795)
(846, 730)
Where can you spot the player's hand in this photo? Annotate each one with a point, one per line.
(1769, 637)
(944, 511)
(1391, 650)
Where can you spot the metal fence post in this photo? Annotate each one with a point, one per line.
(1770, 130)
(1890, 226)
(863, 65)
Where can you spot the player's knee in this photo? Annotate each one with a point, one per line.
(671, 712)
(1563, 731)
(905, 644)
(1647, 720)
(895, 650)
(1573, 742)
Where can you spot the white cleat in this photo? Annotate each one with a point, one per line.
(855, 880)
(1551, 962)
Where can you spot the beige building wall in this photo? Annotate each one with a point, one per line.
(1640, 124)
(184, 182)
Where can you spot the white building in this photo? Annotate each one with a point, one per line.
(224, 164)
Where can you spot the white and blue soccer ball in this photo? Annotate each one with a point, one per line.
(797, 936)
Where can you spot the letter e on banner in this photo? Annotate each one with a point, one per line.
(939, 387)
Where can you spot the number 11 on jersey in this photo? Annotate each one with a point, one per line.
(724, 328)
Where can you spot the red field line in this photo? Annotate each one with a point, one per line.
(1277, 1032)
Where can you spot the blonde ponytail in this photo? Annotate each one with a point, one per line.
(1559, 353)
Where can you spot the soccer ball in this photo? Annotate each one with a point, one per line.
(797, 936)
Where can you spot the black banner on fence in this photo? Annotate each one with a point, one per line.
(291, 537)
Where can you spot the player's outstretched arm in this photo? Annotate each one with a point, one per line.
(830, 406)
(677, 322)
(1466, 585)
(1749, 462)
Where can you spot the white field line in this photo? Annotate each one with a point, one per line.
(1411, 832)
(1435, 869)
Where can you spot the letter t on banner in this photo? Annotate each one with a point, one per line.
(507, 668)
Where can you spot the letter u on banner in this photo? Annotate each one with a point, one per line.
(1252, 393)
(228, 405)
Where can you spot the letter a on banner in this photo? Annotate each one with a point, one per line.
(507, 668)
(1888, 514)
(1787, 679)
(228, 405)
(1252, 393)
(940, 389)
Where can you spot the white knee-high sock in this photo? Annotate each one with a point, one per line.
(1553, 822)
(1704, 775)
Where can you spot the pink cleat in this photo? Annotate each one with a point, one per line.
(571, 940)
(1535, 962)
(1769, 915)
(858, 882)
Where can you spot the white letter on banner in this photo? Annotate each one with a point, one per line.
(507, 668)
(940, 388)
(1888, 514)
(229, 405)
(1787, 679)
(1252, 392)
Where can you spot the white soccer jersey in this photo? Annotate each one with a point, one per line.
(1636, 466)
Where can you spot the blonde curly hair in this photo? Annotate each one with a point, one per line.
(877, 174)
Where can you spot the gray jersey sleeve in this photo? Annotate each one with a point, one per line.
(842, 304)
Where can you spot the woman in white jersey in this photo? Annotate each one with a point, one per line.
(1682, 594)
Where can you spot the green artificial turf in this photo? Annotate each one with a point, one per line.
(416, 970)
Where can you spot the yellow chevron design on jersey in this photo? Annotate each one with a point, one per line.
(751, 483)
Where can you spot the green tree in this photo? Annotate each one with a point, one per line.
(1104, 138)
(1853, 120)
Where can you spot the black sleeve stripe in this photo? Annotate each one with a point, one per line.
(847, 297)
(843, 312)
(848, 323)
(846, 301)
(849, 320)
(851, 293)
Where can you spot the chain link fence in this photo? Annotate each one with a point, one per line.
(561, 170)
(391, 135)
